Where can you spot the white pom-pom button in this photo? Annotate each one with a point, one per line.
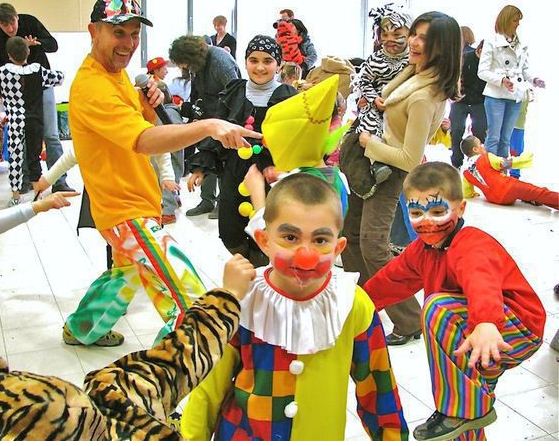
(291, 410)
(296, 367)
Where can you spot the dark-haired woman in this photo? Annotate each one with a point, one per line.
(415, 105)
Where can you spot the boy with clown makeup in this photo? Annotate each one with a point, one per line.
(305, 329)
(480, 316)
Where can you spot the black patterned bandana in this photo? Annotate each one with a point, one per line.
(265, 44)
(390, 17)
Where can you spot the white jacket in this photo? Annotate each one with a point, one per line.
(498, 59)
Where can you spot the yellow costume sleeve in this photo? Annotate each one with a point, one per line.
(496, 161)
(524, 160)
(200, 414)
(442, 137)
(468, 188)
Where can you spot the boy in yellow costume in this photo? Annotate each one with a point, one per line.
(306, 327)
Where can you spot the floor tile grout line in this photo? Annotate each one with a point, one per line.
(527, 419)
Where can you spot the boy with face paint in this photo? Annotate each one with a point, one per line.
(391, 28)
(305, 329)
(480, 315)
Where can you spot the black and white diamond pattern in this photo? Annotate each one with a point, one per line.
(11, 89)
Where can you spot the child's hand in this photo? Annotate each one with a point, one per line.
(237, 275)
(170, 186)
(41, 185)
(270, 174)
(54, 201)
(194, 180)
(362, 102)
(254, 180)
(379, 103)
(485, 342)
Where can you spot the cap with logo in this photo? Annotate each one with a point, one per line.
(117, 12)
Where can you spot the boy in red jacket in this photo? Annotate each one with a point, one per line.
(480, 316)
(487, 172)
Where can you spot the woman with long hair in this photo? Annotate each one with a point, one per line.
(414, 109)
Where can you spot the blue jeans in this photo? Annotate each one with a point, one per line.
(50, 132)
(501, 117)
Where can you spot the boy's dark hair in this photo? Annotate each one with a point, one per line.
(7, 13)
(443, 50)
(467, 145)
(289, 13)
(190, 50)
(435, 174)
(17, 49)
(305, 189)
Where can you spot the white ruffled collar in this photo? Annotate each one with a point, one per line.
(23, 69)
(300, 327)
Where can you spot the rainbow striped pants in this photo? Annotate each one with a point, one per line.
(144, 256)
(458, 390)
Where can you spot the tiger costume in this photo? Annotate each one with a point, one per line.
(129, 399)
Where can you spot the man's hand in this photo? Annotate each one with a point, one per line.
(31, 41)
(153, 95)
(485, 342)
(170, 186)
(231, 136)
(237, 275)
(194, 180)
(54, 201)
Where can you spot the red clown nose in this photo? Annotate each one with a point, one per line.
(305, 258)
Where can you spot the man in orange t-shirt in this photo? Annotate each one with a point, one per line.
(113, 133)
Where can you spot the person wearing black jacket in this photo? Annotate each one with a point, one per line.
(470, 104)
(243, 102)
(212, 68)
(40, 42)
(223, 39)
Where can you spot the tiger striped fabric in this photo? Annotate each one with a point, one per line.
(129, 399)
(144, 255)
(460, 391)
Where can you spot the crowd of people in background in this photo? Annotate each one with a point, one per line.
(369, 203)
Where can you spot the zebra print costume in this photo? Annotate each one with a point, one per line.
(379, 69)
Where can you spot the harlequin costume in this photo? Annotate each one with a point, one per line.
(486, 173)
(469, 280)
(285, 374)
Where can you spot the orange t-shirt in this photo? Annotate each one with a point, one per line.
(106, 118)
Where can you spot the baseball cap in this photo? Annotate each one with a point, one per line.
(155, 63)
(117, 12)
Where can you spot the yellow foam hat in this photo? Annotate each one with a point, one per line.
(296, 131)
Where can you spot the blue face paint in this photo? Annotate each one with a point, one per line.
(436, 208)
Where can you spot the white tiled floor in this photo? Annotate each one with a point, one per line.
(45, 269)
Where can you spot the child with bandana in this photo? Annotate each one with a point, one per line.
(243, 102)
(480, 316)
(391, 27)
(305, 328)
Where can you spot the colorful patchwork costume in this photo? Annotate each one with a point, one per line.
(285, 374)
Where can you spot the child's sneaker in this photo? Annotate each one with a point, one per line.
(14, 202)
(380, 172)
(439, 427)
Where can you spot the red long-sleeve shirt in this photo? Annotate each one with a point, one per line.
(475, 265)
